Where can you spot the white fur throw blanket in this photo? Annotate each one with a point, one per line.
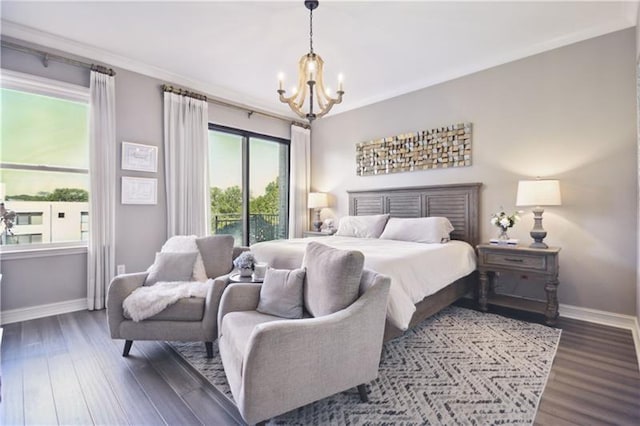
(147, 301)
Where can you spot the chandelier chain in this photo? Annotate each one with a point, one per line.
(311, 31)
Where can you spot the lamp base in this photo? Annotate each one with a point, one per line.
(538, 233)
(538, 245)
(317, 223)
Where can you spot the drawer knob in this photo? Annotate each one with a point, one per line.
(510, 259)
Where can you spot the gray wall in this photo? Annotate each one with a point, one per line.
(140, 230)
(638, 35)
(638, 140)
(43, 280)
(568, 113)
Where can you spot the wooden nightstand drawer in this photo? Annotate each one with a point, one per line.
(516, 260)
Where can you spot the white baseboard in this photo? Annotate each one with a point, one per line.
(612, 319)
(41, 311)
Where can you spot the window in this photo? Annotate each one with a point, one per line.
(249, 185)
(84, 226)
(44, 159)
(16, 239)
(29, 218)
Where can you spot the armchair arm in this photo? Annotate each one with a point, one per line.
(121, 287)
(238, 297)
(309, 359)
(212, 305)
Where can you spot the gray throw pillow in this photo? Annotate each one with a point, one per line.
(281, 293)
(217, 254)
(171, 267)
(332, 280)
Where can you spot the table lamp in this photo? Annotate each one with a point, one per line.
(317, 201)
(538, 193)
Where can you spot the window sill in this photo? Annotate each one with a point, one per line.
(42, 251)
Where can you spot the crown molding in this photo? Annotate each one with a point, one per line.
(93, 53)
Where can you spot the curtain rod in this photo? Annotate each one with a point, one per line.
(46, 57)
(184, 92)
(249, 111)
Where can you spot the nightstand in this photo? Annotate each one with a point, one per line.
(315, 234)
(494, 259)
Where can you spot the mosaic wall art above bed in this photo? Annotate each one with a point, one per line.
(438, 148)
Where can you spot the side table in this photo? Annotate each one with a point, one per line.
(236, 278)
(493, 259)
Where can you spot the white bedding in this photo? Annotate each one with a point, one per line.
(417, 270)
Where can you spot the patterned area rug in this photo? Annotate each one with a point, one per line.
(458, 367)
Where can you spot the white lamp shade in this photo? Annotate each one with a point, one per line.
(317, 200)
(541, 192)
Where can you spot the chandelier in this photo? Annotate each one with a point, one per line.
(310, 81)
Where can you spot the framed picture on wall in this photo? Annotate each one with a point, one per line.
(142, 158)
(139, 190)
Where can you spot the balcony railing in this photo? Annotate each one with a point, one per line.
(262, 227)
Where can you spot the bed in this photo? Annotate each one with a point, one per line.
(414, 295)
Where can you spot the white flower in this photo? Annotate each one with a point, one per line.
(505, 222)
(494, 220)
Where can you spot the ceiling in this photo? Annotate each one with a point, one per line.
(235, 50)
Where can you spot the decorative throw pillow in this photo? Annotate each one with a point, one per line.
(281, 293)
(217, 254)
(187, 244)
(332, 280)
(171, 267)
(418, 229)
(362, 226)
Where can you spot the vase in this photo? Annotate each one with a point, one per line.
(503, 234)
(246, 272)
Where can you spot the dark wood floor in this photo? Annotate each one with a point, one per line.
(66, 370)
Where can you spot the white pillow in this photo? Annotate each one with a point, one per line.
(187, 244)
(418, 229)
(362, 226)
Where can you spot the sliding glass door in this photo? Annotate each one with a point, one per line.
(249, 185)
(225, 184)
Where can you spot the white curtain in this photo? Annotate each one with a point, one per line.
(185, 158)
(300, 179)
(102, 198)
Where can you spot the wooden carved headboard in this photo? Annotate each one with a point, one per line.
(460, 203)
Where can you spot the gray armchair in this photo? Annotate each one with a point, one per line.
(274, 365)
(189, 319)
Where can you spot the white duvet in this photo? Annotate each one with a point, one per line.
(417, 270)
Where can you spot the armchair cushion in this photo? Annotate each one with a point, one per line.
(187, 244)
(171, 267)
(332, 279)
(281, 293)
(185, 309)
(217, 254)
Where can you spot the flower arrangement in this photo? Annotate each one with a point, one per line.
(503, 220)
(246, 260)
